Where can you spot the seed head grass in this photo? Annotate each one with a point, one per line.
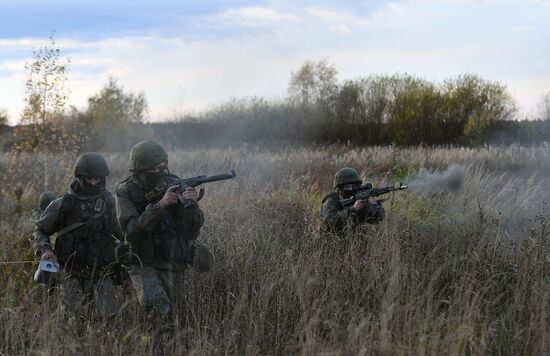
(447, 272)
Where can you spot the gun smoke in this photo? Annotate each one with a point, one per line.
(450, 180)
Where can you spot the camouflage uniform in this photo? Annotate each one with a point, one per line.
(84, 246)
(336, 217)
(161, 242)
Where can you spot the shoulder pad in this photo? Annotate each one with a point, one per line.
(329, 195)
(122, 187)
(56, 204)
(130, 190)
(67, 202)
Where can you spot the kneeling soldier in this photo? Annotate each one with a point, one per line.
(335, 216)
(84, 219)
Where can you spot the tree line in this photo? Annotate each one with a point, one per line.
(374, 110)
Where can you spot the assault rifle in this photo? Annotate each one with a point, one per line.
(366, 191)
(184, 183)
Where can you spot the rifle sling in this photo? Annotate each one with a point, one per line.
(74, 226)
(69, 228)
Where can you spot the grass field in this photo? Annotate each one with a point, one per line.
(445, 273)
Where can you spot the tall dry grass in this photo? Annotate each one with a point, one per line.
(445, 273)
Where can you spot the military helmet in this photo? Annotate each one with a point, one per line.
(46, 198)
(346, 176)
(91, 164)
(145, 155)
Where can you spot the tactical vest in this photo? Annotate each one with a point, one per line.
(85, 240)
(167, 241)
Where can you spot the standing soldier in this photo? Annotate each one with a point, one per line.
(160, 229)
(84, 219)
(335, 216)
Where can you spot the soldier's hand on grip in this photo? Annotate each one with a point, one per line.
(359, 204)
(169, 198)
(48, 255)
(190, 193)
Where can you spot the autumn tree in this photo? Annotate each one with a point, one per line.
(46, 91)
(363, 105)
(314, 87)
(112, 109)
(476, 105)
(43, 131)
(415, 113)
(112, 106)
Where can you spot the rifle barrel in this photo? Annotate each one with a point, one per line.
(196, 181)
(372, 192)
(218, 177)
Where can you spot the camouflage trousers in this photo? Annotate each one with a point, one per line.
(157, 290)
(81, 294)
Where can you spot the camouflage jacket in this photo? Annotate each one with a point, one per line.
(335, 216)
(85, 226)
(159, 238)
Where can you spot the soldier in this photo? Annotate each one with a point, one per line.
(335, 216)
(84, 219)
(160, 229)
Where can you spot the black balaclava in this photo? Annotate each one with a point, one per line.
(152, 179)
(348, 193)
(86, 189)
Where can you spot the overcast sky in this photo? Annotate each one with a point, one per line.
(188, 55)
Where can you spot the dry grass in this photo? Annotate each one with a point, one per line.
(444, 274)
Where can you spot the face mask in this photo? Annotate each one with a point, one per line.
(88, 189)
(348, 193)
(153, 178)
